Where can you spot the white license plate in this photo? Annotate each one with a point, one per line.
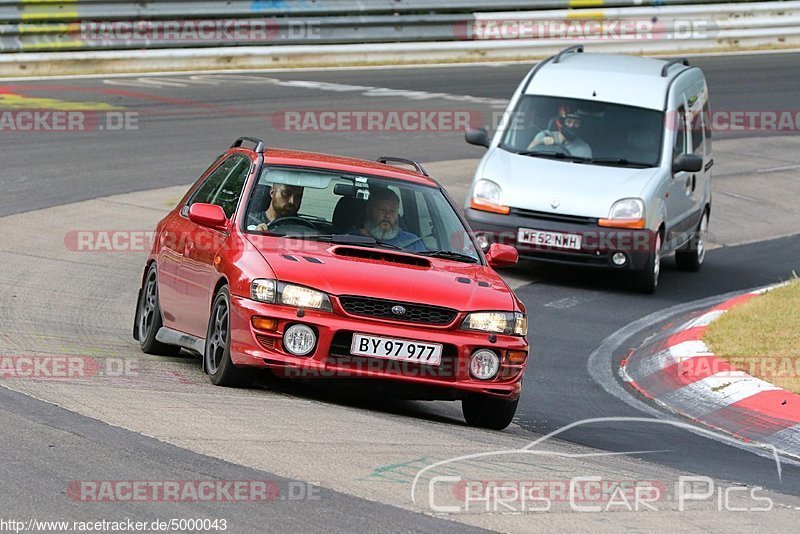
(549, 239)
(396, 349)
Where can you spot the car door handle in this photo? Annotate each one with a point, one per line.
(694, 182)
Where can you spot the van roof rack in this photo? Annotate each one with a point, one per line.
(259, 144)
(390, 159)
(574, 49)
(665, 68)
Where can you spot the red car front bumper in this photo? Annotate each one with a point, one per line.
(331, 357)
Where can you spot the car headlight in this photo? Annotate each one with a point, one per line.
(515, 324)
(274, 292)
(486, 197)
(625, 213)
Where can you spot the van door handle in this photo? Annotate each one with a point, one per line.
(694, 182)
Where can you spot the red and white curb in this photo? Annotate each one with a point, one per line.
(677, 370)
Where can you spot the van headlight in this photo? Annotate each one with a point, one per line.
(513, 324)
(625, 213)
(274, 292)
(486, 197)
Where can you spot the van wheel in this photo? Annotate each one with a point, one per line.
(488, 412)
(690, 256)
(646, 280)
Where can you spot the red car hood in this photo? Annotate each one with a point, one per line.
(330, 268)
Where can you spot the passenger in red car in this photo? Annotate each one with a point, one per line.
(383, 221)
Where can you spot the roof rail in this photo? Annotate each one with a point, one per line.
(419, 168)
(572, 49)
(665, 68)
(259, 144)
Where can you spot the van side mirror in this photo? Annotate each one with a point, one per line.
(500, 255)
(477, 136)
(687, 163)
(209, 215)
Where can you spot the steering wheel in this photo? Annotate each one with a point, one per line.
(555, 148)
(291, 220)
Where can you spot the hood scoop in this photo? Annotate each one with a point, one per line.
(383, 256)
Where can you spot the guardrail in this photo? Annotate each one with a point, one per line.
(52, 25)
(272, 32)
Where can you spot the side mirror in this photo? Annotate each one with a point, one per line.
(501, 255)
(477, 136)
(209, 215)
(687, 163)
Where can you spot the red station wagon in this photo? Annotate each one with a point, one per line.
(320, 266)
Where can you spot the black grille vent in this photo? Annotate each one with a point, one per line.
(556, 217)
(382, 309)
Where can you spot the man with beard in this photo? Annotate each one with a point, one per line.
(383, 221)
(285, 201)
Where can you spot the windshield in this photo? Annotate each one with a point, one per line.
(586, 131)
(321, 205)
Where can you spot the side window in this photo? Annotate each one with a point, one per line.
(697, 134)
(208, 189)
(425, 221)
(708, 126)
(680, 133)
(228, 195)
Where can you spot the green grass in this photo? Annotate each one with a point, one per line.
(762, 336)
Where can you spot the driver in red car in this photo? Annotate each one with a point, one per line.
(285, 201)
(568, 125)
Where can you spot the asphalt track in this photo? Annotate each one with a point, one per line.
(182, 124)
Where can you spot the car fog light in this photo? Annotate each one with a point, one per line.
(619, 259)
(484, 364)
(299, 339)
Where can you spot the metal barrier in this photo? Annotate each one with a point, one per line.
(52, 25)
(45, 37)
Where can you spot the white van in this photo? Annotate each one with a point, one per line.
(602, 160)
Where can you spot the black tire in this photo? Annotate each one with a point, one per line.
(148, 317)
(488, 412)
(690, 256)
(217, 355)
(646, 280)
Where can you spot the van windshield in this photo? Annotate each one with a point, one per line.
(585, 131)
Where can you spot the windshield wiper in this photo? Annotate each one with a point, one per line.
(346, 239)
(622, 162)
(449, 255)
(554, 155)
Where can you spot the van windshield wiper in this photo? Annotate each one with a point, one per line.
(346, 239)
(622, 162)
(449, 255)
(554, 155)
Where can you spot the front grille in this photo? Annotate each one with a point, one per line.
(382, 309)
(555, 217)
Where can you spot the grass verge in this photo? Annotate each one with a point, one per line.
(762, 336)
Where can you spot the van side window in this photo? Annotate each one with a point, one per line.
(698, 128)
(680, 133)
(708, 126)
